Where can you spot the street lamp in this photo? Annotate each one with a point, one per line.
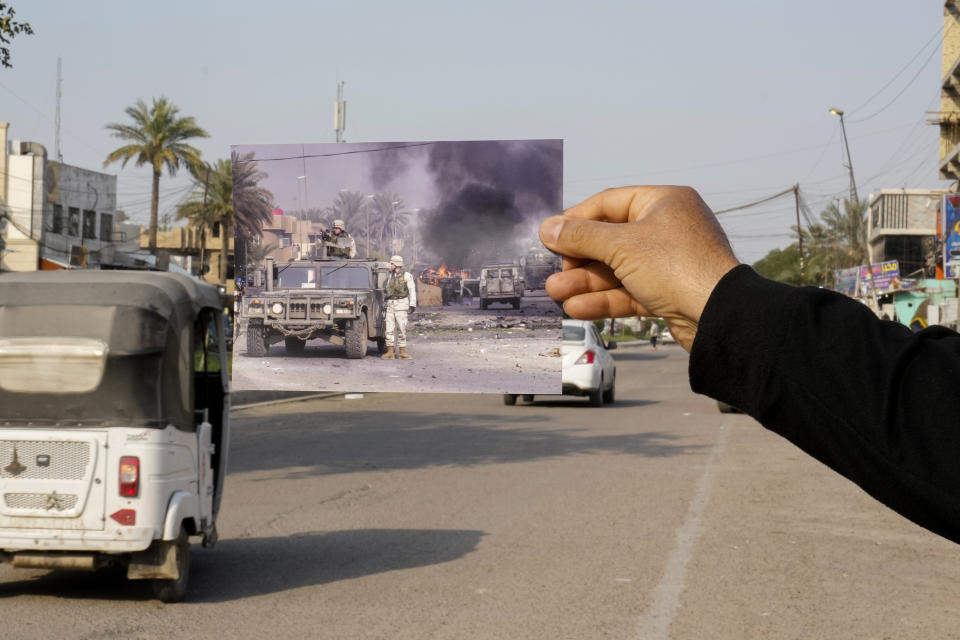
(843, 129)
(367, 211)
(303, 203)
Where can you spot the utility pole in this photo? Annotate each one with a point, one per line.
(796, 200)
(57, 118)
(846, 145)
(340, 113)
(203, 225)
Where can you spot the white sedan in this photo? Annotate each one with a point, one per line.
(588, 368)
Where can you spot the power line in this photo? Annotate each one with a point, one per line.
(755, 203)
(904, 68)
(902, 91)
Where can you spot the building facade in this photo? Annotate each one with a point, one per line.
(57, 215)
(902, 226)
(949, 117)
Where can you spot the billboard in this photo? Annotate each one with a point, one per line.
(951, 235)
(886, 277)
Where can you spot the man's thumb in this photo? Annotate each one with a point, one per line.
(579, 238)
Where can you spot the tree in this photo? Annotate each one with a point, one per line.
(211, 203)
(157, 137)
(838, 241)
(351, 207)
(252, 204)
(388, 219)
(9, 28)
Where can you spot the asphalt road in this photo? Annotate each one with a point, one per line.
(454, 349)
(453, 516)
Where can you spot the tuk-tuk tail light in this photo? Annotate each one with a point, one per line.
(129, 476)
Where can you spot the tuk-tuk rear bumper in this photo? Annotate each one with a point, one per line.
(125, 540)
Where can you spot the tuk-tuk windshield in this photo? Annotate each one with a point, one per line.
(344, 278)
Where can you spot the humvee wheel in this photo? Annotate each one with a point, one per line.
(483, 304)
(294, 345)
(356, 342)
(256, 340)
(381, 345)
(174, 590)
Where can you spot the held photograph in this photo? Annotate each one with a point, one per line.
(397, 266)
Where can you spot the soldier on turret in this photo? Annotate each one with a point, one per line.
(339, 243)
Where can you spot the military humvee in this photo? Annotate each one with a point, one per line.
(500, 283)
(339, 300)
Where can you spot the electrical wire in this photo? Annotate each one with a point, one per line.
(897, 75)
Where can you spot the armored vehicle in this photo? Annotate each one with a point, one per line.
(500, 283)
(538, 265)
(339, 300)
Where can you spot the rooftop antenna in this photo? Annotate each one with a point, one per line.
(56, 121)
(340, 112)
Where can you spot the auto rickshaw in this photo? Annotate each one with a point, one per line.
(114, 422)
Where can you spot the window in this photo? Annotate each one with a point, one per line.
(74, 222)
(57, 219)
(215, 230)
(106, 226)
(90, 224)
(573, 333)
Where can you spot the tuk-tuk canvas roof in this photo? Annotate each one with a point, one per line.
(145, 319)
(159, 292)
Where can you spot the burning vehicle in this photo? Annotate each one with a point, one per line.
(450, 281)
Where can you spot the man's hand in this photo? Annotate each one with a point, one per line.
(649, 251)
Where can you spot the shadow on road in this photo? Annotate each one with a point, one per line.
(647, 355)
(331, 441)
(246, 567)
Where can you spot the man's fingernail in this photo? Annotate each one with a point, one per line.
(550, 229)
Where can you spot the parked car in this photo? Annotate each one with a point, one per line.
(588, 368)
(666, 336)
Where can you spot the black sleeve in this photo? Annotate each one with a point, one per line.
(867, 397)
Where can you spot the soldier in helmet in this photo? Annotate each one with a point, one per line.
(401, 294)
(340, 244)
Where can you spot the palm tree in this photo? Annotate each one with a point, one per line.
(350, 206)
(157, 137)
(388, 219)
(252, 204)
(211, 203)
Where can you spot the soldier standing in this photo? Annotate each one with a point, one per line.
(401, 293)
(340, 244)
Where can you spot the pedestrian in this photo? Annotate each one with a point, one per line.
(873, 400)
(401, 294)
(654, 332)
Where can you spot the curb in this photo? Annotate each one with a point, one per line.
(248, 399)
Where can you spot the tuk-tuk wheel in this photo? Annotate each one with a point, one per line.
(174, 590)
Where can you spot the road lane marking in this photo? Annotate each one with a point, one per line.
(655, 622)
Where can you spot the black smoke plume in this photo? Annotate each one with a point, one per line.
(490, 195)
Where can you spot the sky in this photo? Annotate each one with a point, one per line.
(731, 98)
